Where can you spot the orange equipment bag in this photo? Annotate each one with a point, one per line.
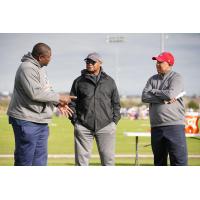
(191, 124)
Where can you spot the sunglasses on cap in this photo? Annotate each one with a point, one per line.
(89, 61)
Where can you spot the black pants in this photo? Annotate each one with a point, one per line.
(169, 140)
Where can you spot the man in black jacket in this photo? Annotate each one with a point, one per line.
(96, 112)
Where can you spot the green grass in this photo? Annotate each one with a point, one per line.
(61, 142)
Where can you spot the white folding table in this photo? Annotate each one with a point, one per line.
(147, 134)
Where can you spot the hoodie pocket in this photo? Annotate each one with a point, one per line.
(37, 107)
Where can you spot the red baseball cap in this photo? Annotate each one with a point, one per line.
(165, 57)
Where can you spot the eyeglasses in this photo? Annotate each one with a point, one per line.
(88, 61)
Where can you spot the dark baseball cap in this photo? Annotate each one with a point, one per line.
(94, 56)
(165, 57)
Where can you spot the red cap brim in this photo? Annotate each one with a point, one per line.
(154, 58)
(159, 59)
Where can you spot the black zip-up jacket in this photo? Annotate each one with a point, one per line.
(97, 103)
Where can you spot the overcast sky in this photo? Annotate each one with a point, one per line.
(128, 62)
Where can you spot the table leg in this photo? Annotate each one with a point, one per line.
(136, 150)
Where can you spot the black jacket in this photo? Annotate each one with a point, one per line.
(97, 103)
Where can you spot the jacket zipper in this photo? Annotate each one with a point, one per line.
(95, 107)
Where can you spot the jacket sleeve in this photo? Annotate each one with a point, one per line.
(148, 96)
(175, 88)
(116, 105)
(72, 105)
(30, 82)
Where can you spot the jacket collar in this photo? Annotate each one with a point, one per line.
(164, 76)
(85, 74)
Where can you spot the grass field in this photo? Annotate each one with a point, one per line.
(61, 142)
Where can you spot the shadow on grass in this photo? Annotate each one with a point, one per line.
(195, 138)
(98, 164)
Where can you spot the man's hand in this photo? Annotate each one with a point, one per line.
(64, 99)
(170, 101)
(65, 110)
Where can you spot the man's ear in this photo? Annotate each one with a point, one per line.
(39, 57)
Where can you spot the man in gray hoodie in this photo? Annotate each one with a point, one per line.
(31, 107)
(166, 109)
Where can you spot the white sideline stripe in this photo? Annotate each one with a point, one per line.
(97, 156)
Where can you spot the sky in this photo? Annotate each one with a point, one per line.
(128, 62)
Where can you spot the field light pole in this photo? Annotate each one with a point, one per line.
(116, 40)
(163, 37)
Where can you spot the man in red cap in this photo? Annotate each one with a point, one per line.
(166, 110)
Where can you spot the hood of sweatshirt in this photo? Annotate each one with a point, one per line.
(29, 58)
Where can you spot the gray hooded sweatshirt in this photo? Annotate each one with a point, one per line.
(33, 98)
(160, 88)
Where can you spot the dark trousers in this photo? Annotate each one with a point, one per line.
(30, 142)
(169, 140)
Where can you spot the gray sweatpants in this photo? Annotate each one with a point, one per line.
(105, 139)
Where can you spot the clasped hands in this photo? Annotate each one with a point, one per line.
(170, 101)
(63, 107)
